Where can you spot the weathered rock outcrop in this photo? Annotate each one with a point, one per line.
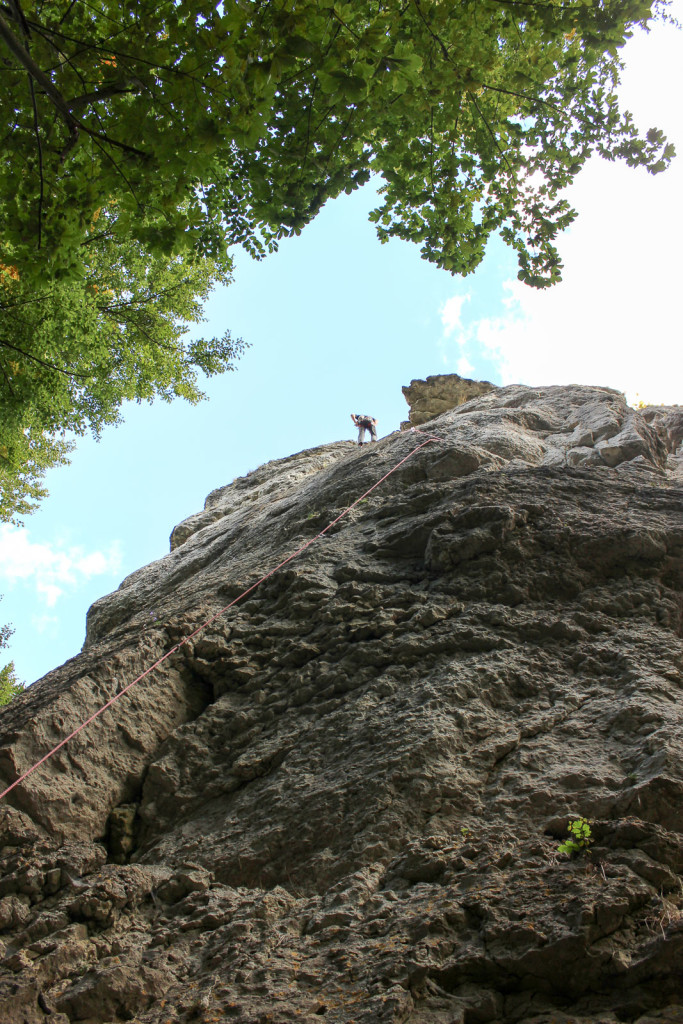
(429, 398)
(344, 798)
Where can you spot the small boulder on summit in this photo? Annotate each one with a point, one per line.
(439, 393)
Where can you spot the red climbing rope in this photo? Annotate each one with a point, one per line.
(213, 618)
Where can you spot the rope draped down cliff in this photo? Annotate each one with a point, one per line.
(430, 440)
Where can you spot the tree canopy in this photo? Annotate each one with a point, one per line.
(198, 125)
(73, 350)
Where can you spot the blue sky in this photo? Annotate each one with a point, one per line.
(337, 323)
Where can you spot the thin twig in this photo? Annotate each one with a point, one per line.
(489, 129)
(67, 12)
(36, 126)
(24, 57)
(102, 94)
(48, 366)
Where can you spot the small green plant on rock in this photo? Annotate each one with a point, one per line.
(580, 838)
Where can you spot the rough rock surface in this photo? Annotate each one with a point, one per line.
(429, 398)
(343, 799)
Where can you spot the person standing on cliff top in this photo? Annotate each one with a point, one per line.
(364, 423)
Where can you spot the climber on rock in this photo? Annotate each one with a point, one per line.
(364, 423)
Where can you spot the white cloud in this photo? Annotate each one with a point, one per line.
(94, 564)
(51, 569)
(615, 319)
(45, 624)
(451, 321)
(464, 366)
(451, 314)
(50, 592)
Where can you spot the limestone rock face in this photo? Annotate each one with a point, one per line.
(344, 797)
(429, 398)
(278, 479)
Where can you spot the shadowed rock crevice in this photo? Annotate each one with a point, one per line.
(343, 799)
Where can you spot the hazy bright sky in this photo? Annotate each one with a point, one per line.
(337, 323)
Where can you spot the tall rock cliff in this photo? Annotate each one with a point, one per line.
(343, 799)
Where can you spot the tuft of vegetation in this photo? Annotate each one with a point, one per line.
(10, 686)
(580, 838)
